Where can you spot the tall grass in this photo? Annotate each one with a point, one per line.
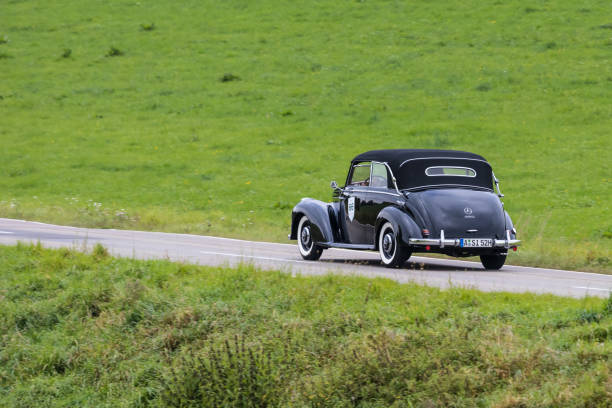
(91, 330)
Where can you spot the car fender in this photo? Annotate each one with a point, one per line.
(317, 213)
(405, 226)
(510, 225)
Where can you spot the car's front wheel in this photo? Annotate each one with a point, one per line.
(392, 252)
(308, 249)
(493, 262)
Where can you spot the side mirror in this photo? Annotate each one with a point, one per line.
(337, 190)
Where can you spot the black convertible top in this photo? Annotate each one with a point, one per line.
(395, 157)
(409, 166)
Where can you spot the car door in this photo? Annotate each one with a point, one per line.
(381, 194)
(353, 202)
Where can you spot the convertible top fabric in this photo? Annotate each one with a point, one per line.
(408, 166)
(395, 157)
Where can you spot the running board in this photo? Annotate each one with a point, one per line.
(346, 246)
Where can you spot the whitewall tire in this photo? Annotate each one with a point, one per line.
(392, 252)
(308, 249)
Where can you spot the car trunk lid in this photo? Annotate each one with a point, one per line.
(463, 213)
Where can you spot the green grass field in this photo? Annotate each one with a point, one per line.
(217, 117)
(94, 331)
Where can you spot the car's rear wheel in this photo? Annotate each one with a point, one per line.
(493, 262)
(392, 252)
(308, 249)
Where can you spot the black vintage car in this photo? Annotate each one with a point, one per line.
(403, 201)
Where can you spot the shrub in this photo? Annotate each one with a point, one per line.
(234, 376)
(484, 87)
(229, 77)
(588, 316)
(100, 252)
(147, 27)
(550, 45)
(282, 205)
(114, 52)
(607, 310)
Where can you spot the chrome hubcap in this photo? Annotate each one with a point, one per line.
(305, 236)
(388, 244)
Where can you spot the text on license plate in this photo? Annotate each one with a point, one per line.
(475, 242)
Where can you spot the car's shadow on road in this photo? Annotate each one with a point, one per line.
(415, 266)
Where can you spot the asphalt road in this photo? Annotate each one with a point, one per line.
(206, 250)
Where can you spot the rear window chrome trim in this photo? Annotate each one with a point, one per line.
(451, 175)
(445, 158)
(468, 186)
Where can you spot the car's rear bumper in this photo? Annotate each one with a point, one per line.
(443, 242)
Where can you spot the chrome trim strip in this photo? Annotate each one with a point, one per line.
(451, 158)
(355, 190)
(499, 193)
(433, 242)
(385, 192)
(455, 185)
(497, 243)
(450, 175)
(507, 243)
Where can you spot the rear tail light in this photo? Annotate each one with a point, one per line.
(427, 248)
(514, 249)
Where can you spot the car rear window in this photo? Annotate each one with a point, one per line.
(450, 171)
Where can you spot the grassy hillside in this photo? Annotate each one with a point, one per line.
(93, 331)
(217, 117)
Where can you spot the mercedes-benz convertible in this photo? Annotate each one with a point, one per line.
(399, 202)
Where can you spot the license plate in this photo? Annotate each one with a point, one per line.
(475, 243)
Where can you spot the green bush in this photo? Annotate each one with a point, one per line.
(235, 375)
(114, 52)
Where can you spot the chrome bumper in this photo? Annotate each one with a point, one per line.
(455, 242)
